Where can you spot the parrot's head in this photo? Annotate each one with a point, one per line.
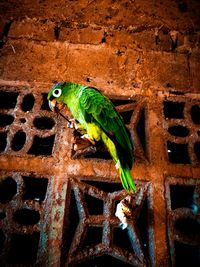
(56, 96)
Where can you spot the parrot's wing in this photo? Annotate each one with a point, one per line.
(98, 109)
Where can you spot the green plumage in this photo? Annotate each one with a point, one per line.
(98, 116)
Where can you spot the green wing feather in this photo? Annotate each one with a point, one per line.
(98, 109)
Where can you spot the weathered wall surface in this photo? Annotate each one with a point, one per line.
(118, 45)
(145, 54)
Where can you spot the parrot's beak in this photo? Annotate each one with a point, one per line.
(56, 106)
(52, 104)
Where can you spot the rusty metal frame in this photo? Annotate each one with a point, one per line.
(151, 169)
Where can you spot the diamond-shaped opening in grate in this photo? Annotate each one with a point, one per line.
(18, 141)
(42, 145)
(45, 103)
(178, 130)
(28, 102)
(106, 187)
(26, 216)
(178, 153)
(23, 248)
(70, 225)
(6, 119)
(43, 123)
(94, 205)
(197, 150)
(8, 189)
(173, 110)
(93, 236)
(126, 115)
(35, 188)
(183, 196)
(186, 255)
(188, 227)
(104, 260)
(8, 99)
(122, 239)
(3, 141)
(195, 114)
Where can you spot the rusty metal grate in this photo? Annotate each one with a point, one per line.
(182, 119)
(59, 202)
(92, 230)
(183, 220)
(23, 215)
(26, 123)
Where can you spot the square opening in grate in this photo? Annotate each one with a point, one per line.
(23, 248)
(8, 99)
(26, 216)
(178, 153)
(186, 255)
(182, 196)
(94, 205)
(93, 236)
(43, 123)
(6, 119)
(173, 110)
(188, 227)
(42, 146)
(35, 188)
(8, 189)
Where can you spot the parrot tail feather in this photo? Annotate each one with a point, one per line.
(127, 180)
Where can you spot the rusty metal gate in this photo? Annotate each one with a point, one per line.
(57, 205)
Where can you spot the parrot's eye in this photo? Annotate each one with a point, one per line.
(57, 92)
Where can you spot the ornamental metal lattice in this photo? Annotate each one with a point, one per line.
(58, 198)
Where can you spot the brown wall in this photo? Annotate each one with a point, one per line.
(144, 52)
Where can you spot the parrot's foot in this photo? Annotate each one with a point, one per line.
(86, 136)
(124, 212)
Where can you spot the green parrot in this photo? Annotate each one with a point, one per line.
(95, 114)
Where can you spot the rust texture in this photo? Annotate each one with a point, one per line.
(57, 195)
